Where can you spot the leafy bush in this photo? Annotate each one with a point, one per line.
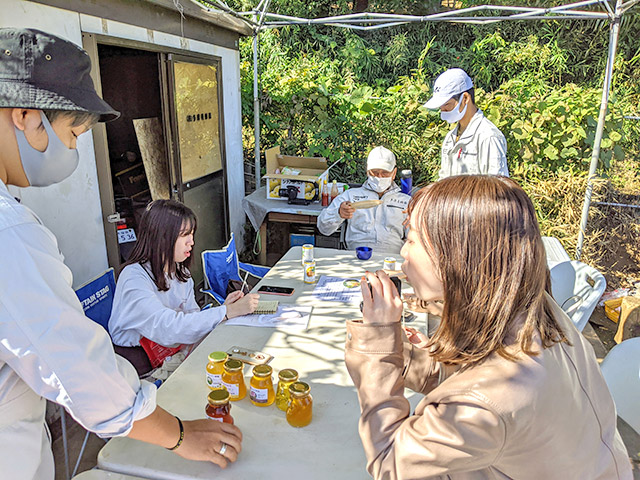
(337, 93)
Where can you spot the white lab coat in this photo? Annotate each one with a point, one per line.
(481, 149)
(168, 318)
(379, 227)
(49, 349)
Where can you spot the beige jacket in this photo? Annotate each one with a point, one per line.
(545, 417)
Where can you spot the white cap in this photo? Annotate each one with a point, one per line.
(381, 158)
(452, 82)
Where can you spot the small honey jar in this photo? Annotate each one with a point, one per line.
(300, 410)
(215, 367)
(261, 386)
(285, 378)
(233, 380)
(218, 407)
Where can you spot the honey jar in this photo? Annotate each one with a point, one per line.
(218, 407)
(233, 380)
(261, 386)
(285, 378)
(299, 412)
(215, 367)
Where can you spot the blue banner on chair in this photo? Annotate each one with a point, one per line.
(96, 298)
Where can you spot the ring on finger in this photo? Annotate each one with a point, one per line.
(223, 449)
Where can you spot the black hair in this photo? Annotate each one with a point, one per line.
(162, 222)
(471, 92)
(79, 117)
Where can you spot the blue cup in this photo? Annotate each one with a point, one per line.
(364, 253)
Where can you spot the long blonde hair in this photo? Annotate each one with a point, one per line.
(483, 234)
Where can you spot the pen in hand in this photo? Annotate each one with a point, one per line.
(244, 282)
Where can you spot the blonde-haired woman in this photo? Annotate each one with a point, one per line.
(512, 389)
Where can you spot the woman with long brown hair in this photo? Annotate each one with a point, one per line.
(154, 309)
(512, 389)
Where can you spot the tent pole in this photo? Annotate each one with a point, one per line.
(256, 106)
(606, 88)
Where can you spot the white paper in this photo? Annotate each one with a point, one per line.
(335, 289)
(287, 316)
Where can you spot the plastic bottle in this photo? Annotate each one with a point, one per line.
(325, 194)
(406, 181)
(334, 191)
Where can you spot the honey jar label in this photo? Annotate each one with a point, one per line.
(259, 395)
(217, 419)
(214, 380)
(232, 388)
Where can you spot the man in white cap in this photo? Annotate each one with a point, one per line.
(379, 226)
(475, 145)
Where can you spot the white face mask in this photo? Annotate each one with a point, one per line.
(53, 165)
(454, 115)
(379, 184)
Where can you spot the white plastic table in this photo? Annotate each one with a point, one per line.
(96, 474)
(327, 448)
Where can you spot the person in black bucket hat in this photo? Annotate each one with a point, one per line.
(48, 348)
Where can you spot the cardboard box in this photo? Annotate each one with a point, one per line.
(312, 169)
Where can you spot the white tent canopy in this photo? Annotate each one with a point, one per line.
(260, 18)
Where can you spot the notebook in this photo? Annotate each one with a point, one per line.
(266, 307)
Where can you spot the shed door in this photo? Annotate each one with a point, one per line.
(198, 160)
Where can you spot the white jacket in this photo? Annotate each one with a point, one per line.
(168, 318)
(481, 149)
(378, 227)
(49, 349)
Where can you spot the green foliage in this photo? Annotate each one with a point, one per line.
(336, 93)
(555, 129)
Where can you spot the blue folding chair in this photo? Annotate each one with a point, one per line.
(96, 297)
(221, 266)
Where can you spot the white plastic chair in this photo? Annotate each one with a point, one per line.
(621, 371)
(555, 251)
(577, 287)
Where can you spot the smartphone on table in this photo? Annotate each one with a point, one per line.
(273, 290)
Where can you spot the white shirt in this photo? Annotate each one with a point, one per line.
(481, 149)
(48, 348)
(379, 227)
(168, 318)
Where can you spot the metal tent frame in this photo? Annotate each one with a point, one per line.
(259, 19)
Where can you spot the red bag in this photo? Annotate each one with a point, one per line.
(156, 352)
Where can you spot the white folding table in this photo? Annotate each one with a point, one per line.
(327, 448)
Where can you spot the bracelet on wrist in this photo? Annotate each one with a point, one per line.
(181, 439)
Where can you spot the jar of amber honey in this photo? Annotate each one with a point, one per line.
(261, 386)
(299, 412)
(218, 407)
(233, 380)
(285, 378)
(215, 367)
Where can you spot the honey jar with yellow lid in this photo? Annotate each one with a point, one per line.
(215, 367)
(300, 410)
(233, 380)
(261, 390)
(285, 378)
